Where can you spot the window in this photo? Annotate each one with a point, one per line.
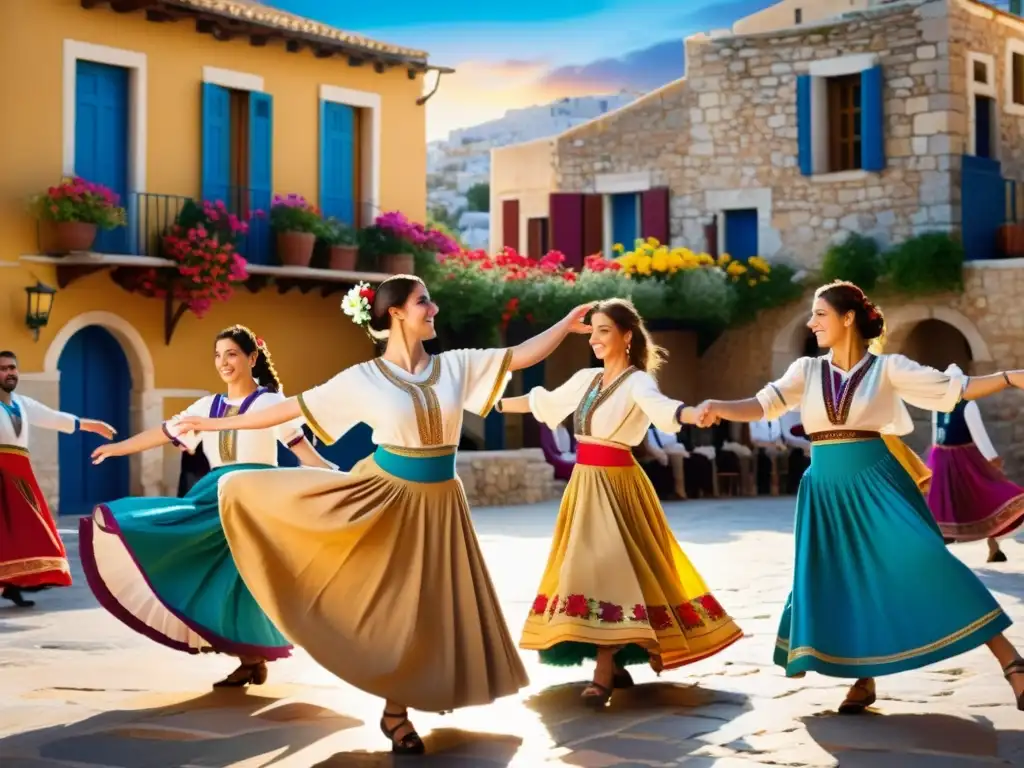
(983, 130)
(983, 112)
(537, 237)
(798, 16)
(980, 72)
(1013, 77)
(844, 123)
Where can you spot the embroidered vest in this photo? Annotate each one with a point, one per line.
(951, 428)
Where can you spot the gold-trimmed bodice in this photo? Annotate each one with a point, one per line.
(227, 441)
(592, 399)
(429, 422)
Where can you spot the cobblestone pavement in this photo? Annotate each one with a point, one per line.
(78, 689)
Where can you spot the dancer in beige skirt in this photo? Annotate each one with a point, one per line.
(378, 573)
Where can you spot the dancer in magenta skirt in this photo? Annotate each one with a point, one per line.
(970, 497)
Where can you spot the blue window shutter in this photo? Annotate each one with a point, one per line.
(803, 124)
(337, 161)
(216, 145)
(261, 175)
(872, 120)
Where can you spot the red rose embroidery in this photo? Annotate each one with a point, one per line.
(689, 617)
(714, 609)
(610, 612)
(639, 612)
(540, 604)
(577, 606)
(659, 617)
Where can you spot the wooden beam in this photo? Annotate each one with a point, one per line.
(356, 61)
(378, 67)
(258, 41)
(128, 6)
(293, 46)
(323, 53)
(160, 16)
(90, 4)
(411, 73)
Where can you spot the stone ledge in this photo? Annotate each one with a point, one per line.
(493, 478)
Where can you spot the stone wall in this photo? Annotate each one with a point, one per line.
(651, 134)
(986, 315)
(503, 478)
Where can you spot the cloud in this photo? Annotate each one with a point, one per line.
(641, 70)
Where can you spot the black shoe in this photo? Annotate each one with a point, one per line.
(14, 595)
(997, 557)
(410, 744)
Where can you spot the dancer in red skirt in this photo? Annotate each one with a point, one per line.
(32, 556)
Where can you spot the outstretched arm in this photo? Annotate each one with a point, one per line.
(285, 411)
(983, 386)
(151, 438)
(730, 410)
(519, 404)
(771, 402)
(538, 347)
(39, 415)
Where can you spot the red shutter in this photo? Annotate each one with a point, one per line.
(593, 224)
(510, 224)
(566, 210)
(654, 214)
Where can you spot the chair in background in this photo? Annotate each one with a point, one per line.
(559, 448)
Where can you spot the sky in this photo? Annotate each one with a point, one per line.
(531, 51)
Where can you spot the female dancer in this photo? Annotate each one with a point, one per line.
(162, 565)
(645, 603)
(864, 535)
(970, 497)
(378, 573)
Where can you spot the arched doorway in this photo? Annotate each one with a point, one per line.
(95, 383)
(937, 344)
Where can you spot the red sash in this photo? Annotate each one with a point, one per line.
(594, 455)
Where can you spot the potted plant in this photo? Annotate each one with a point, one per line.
(296, 223)
(74, 210)
(397, 243)
(342, 244)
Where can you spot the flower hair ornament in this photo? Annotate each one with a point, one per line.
(358, 305)
(260, 343)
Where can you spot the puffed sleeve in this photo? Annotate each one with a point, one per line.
(787, 393)
(922, 386)
(484, 374)
(334, 407)
(662, 410)
(187, 440)
(976, 426)
(550, 407)
(39, 415)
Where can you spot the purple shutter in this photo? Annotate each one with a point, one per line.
(654, 215)
(566, 211)
(510, 224)
(593, 224)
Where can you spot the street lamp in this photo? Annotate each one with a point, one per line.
(40, 302)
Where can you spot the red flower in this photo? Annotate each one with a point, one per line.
(714, 610)
(639, 612)
(577, 606)
(540, 604)
(659, 617)
(260, 343)
(368, 294)
(609, 612)
(689, 617)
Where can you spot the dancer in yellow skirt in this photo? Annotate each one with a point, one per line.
(378, 574)
(617, 586)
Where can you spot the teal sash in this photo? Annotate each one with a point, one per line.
(416, 469)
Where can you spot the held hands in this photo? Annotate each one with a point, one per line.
(97, 427)
(575, 318)
(105, 452)
(706, 414)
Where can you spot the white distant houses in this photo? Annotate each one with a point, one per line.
(456, 164)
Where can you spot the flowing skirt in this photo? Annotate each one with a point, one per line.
(378, 575)
(32, 556)
(875, 590)
(162, 566)
(616, 576)
(910, 461)
(970, 498)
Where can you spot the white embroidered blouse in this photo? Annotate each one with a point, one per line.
(620, 413)
(24, 413)
(871, 397)
(409, 410)
(246, 446)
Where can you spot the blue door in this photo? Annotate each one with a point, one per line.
(741, 233)
(261, 176)
(95, 383)
(337, 161)
(625, 227)
(101, 138)
(983, 206)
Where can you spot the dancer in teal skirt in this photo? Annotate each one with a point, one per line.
(875, 590)
(162, 565)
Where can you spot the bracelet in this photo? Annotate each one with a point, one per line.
(1006, 378)
(497, 407)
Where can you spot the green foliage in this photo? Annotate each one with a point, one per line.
(857, 259)
(928, 263)
(478, 197)
(334, 232)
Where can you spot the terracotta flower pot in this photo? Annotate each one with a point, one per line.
(342, 257)
(295, 249)
(398, 263)
(70, 236)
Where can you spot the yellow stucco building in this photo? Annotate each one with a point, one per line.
(141, 96)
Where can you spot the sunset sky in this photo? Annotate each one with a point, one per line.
(532, 51)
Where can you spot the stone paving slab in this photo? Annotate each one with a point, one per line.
(82, 691)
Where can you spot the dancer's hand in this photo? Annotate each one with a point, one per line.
(97, 428)
(105, 452)
(1016, 378)
(706, 415)
(997, 462)
(196, 424)
(575, 318)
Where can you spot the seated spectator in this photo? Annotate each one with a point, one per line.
(799, 449)
(699, 466)
(766, 437)
(655, 462)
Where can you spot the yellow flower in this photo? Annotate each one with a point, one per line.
(705, 260)
(724, 259)
(639, 243)
(627, 262)
(736, 269)
(618, 248)
(751, 283)
(653, 242)
(660, 262)
(643, 265)
(760, 264)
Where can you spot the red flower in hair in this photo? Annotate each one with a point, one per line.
(259, 343)
(368, 294)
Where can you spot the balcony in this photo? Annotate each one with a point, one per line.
(151, 215)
